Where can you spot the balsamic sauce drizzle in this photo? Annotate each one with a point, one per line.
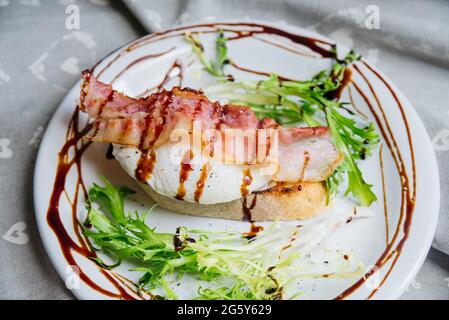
(78, 145)
(286, 48)
(201, 182)
(247, 211)
(255, 229)
(177, 65)
(184, 172)
(408, 197)
(247, 179)
(384, 195)
(145, 165)
(75, 142)
(305, 164)
(347, 76)
(139, 60)
(256, 72)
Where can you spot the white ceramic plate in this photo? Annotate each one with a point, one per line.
(265, 49)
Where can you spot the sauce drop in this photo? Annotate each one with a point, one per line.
(246, 182)
(184, 172)
(145, 166)
(201, 182)
(253, 231)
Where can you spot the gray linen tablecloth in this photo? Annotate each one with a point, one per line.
(41, 57)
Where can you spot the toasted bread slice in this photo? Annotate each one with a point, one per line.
(284, 201)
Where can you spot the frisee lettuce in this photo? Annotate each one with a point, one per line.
(307, 103)
(232, 266)
(214, 67)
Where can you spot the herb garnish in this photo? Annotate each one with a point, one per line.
(307, 103)
(233, 266)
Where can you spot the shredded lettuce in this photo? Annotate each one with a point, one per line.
(232, 266)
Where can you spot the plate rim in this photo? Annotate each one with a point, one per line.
(393, 293)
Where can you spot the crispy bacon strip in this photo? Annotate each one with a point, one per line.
(305, 154)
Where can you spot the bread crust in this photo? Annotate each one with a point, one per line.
(283, 201)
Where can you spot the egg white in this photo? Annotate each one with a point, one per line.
(223, 183)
